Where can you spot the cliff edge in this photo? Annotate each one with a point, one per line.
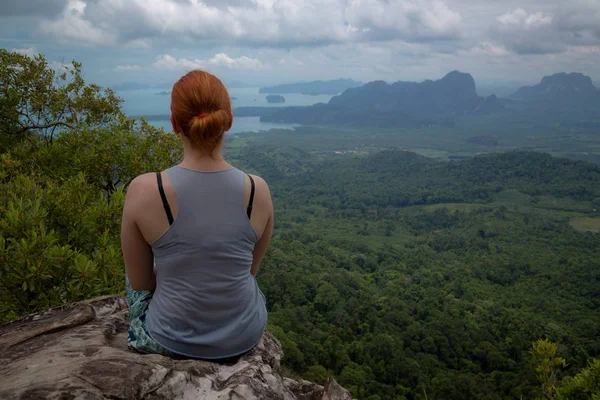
(79, 351)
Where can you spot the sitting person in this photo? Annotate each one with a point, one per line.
(193, 238)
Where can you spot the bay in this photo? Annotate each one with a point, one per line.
(148, 103)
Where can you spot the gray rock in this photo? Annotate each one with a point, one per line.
(79, 352)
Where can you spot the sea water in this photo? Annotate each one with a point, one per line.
(148, 102)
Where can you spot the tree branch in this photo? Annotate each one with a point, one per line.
(49, 125)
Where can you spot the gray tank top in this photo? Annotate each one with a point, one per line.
(206, 303)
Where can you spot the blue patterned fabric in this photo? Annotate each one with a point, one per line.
(138, 338)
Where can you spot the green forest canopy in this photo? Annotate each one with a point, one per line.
(404, 277)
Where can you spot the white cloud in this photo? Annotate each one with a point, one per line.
(579, 20)
(512, 18)
(32, 52)
(573, 24)
(254, 22)
(223, 60)
(124, 68)
(139, 44)
(537, 19)
(585, 49)
(73, 26)
(520, 17)
(29, 52)
(528, 33)
(312, 39)
(167, 61)
(490, 49)
(58, 66)
(410, 20)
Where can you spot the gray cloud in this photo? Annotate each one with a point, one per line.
(266, 40)
(258, 22)
(526, 32)
(580, 20)
(225, 4)
(49, 8)
(572, 24)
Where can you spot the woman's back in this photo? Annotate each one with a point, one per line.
(206, 302)
(207, 226)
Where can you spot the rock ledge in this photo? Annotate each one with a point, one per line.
(79, 351)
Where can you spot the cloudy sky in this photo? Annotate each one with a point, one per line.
(272, 41)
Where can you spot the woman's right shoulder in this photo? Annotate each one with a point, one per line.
(143, 190)
(142, 182)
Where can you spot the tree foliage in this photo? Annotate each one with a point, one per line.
(404, 277)
(583, 386)
(62, 191)
(548, 366)
(37, 98)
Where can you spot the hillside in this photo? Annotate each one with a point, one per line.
(404, 277)
(561, 98)
(403, 274)
(453, 94)
(560, 87)
(401, 104)
(564, 97)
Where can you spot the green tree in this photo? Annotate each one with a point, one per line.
(318, 374)
(583, 386)
(548, 366)
(62, 189)
(34, 98)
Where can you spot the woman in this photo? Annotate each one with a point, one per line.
(193, 238)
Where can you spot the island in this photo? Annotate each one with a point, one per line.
(275, 98)
(163, 93)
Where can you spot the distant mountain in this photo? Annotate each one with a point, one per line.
(500, 88)
(453, 94)
(313, 88)
(490, 104)
(401, 104)
(562, 97)
(560, 87)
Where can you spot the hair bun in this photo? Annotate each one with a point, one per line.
(208, 130)
(191, 95)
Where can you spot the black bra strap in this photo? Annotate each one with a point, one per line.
(249, 210)
(164, 198)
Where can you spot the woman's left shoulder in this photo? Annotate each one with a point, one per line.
(260, 183)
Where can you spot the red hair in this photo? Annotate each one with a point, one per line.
(201, 107)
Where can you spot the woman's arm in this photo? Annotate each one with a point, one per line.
(265, 202)
(261, 247)
(139, 260)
